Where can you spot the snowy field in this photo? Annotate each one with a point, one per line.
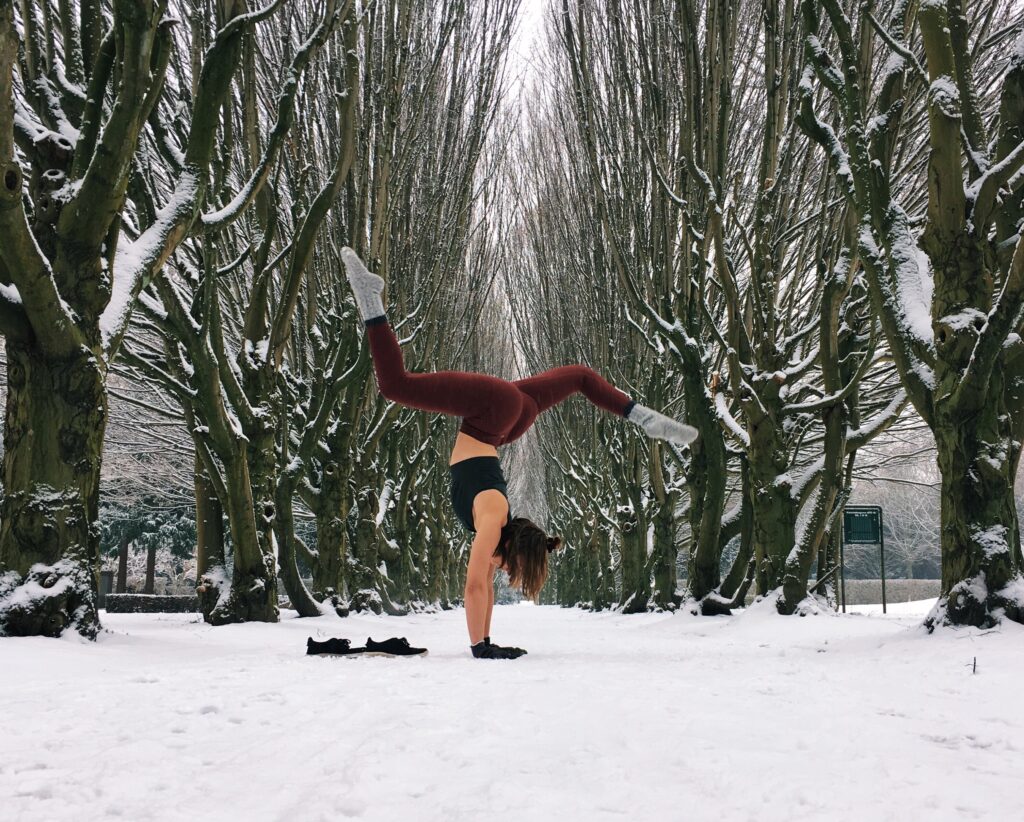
(650, 717)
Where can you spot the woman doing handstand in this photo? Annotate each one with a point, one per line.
(494, 412)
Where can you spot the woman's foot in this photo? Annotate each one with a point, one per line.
(657, 426)
(367, 287)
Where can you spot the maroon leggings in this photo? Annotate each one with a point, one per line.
(494, 411)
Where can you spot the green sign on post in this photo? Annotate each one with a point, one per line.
(862, 525)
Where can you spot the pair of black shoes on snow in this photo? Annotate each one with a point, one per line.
(396, 646)
(488, 650)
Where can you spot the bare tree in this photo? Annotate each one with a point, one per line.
(93, 202)
(941, 248)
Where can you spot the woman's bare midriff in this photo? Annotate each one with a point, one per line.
(467, 447)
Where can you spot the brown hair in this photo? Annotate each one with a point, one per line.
(523, 549)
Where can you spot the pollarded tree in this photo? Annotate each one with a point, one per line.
(418, 198)
(77, 249)
(947, 277)
(221, 327)
(735, 230)
(651, 96)
(584, 232)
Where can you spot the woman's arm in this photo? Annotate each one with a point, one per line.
(490, 603)
(490, 510)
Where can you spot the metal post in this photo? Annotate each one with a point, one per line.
(881, 549)
(842, 568)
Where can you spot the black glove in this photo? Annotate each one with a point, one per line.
(484, 651)
(517, 652)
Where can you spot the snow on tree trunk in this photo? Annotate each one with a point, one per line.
(49, 541)
(330, 571)
(636, 586)
(980, 538)
(949, 297)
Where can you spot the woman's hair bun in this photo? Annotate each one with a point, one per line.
(554, 543)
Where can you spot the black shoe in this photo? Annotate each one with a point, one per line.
(393, 647)
(331, 647)
(492, 651)
(513, 653)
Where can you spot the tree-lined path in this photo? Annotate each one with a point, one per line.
(794, 224)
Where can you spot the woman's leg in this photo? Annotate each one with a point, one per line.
(552, 387)
(489, 405)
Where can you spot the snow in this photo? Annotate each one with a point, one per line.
(992, 540)
(133, 258)
(965, 318)
(652, 716)
(10, 293)
(916, 286)
(58, 578)
(944, 94)
(730, 422)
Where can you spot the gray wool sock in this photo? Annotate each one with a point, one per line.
(367, 287)
(660, 427)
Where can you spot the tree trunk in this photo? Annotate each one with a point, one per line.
(150, 569)
(49, 540)
(253, 590)
(981, 549)
(209, 523)
(664, 557)
(211, 564)
(822, 516)
(122, 566)
(330, 576)
(606, 586)
(363, 592)
(455, 572)
(633, 552)
(436, 582)
(774, 519)
(738, 571)
(706, 478)
(284, 528)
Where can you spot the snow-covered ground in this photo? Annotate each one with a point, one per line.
(651, 717)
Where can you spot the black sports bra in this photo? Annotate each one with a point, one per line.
(469, 478)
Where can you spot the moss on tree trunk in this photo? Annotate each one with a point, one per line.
(980, 534)
(56, 413)
(329, 570)
(253, 589)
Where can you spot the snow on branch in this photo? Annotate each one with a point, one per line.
(823, 134)
(285, 113)
(136, 262)
(913, 282)
(803, 480)
(819, 56)
(797, 369)
(1002, 320)
(982, 192)
(873, 426)
(730, 423)
(903, 55)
